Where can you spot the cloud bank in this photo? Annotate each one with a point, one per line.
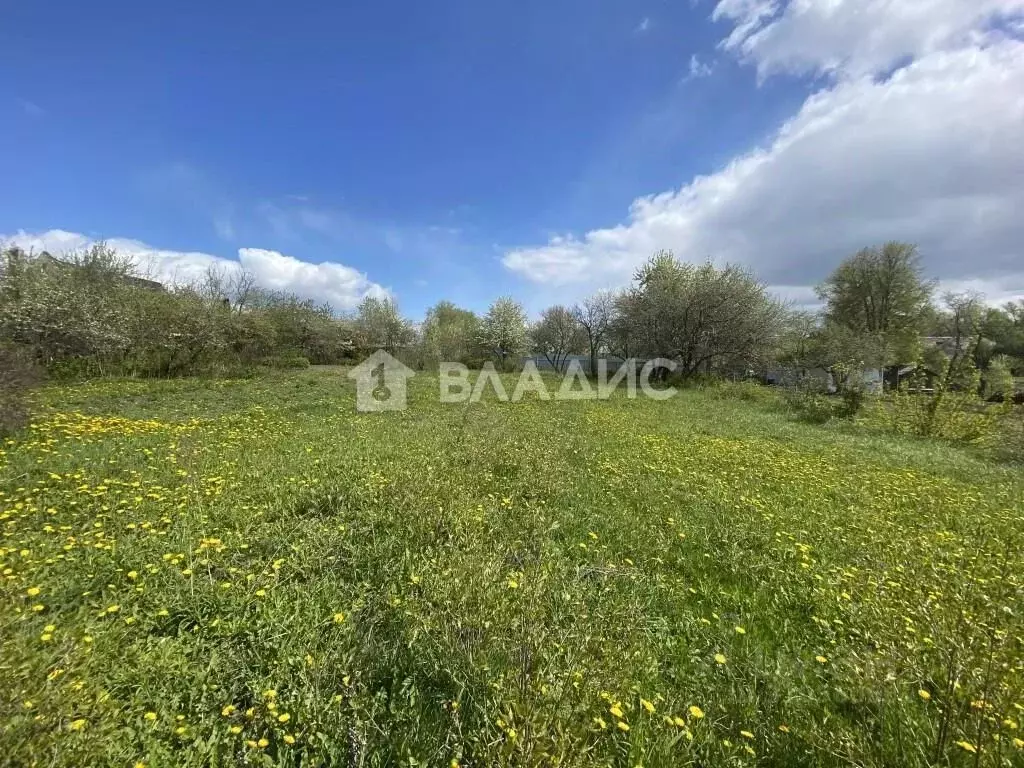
(915, 135)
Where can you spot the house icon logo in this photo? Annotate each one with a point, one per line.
(381, 383)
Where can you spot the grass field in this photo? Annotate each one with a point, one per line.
(249, 572)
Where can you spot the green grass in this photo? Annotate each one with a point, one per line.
(498, 584)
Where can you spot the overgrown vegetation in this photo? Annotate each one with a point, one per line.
(249, 572)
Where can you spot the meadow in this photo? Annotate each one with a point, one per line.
(248, 572)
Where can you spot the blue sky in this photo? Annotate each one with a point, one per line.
(465, 150)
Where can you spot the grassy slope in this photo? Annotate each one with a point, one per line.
(498, 583)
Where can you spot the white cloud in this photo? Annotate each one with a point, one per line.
(698, 68)
(643, 26)
(342, 286)
(930, 154)
(855, 37)
(31, 109)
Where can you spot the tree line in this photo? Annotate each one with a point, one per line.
(89, 313)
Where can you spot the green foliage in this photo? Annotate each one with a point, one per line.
(707, 318)
(18, 375)
(451, 335)
(90, 315)
(503, 332)
(880, 294)
(557, 335)
(381, 325)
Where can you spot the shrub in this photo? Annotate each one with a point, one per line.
(18, 374)
(813, 407)
(285, 362)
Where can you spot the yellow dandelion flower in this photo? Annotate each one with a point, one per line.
(228, 711)
(696, 712)
(284, 717)
(746, 734)
(262, 743)
(151, 716)
(622, 726)
(289, 739)
(720, 658)
(616, 710)
(740, 630)
(32, 591)
(924, 694)
(77, 725)
(647, 705)
(821, 659)
(678, 722)
(600, 723)
(339, 617)
(967, 746)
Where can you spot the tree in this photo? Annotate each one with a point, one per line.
(595, 315)
(557, 335)
(382, 325)
(450, 334)
(706, 318)
(503, 330)
(880, 292)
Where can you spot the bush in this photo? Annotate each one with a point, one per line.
(285, 362)
(814, 407)
(748, 391)
(18, 374)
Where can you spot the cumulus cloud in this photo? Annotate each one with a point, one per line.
(855, 37)
(340, 285)
(929, 154)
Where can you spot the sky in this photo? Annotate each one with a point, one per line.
(541, 149)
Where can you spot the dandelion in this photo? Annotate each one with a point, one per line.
(924, 694)
(228, 711)
(261, 593)
(339, 618)
(967, 746)
(235, 729)
(616, 710)
(624, 727)
(720, 658)
(284, 717)
(821, 659)
(78, 725)
(600, 723)
(150, 716)
(32, 591)
(289, 739)
(740, 630)
(647, 705)
(746, 734)
(263, 743)
(696, 712)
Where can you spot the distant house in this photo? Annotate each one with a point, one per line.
(138, 282)
(819, 378)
